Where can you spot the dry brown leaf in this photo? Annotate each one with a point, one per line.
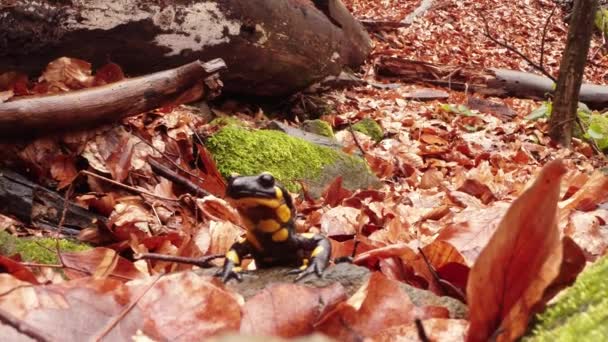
(378, 305)
(17, 270)
(520, 261)
(288, 310)
(340, 221)
(100, 263)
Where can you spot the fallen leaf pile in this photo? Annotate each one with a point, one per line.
(478, 207)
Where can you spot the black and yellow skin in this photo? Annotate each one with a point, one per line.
(268, 213)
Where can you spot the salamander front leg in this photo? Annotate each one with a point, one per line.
(232, 264)
(319, 257)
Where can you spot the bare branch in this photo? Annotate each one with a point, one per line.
(544, 37)
(512, 49)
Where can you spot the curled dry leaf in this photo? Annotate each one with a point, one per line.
(63, 170)
(17, 270)
(472, 229)
(65, 73)
(340, 221)
(587, 230)
(520, 261)
(378, 305)
(100, 263)
(218, 209)
(335, 193)
(288, 310)
(594, 192)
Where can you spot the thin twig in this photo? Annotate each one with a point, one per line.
(164, 155)
(544, 37)
(352, 132)
(127, 187)
(514, 50)
(35, 264)
(15, 289)
(22, 327)
(421, 332)
(173, 176)
(200, 262)
(126, 310)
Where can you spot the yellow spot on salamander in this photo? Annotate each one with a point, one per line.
(278, 193)
(281, 235)
(249, 202)
(233, 256)
(304, 264)
(316, 251)
(307, 235)
(237, 269)
(283, 213)
(269, 226)
(254, 241)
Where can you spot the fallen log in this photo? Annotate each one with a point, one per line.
(39, 207)
(36, 115)
(271, 47)
(492, 82)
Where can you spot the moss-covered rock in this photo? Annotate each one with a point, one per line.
(319, 127)
(370, 128)
(601, 20)
(40, 250)
(226, 121)
(289, 159)
(581, 313)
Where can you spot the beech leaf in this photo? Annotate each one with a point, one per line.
(521, 259)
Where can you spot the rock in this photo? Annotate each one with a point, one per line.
(580, 312)
(304, 134)
(350, 276)
(370, 128)
(289, 159)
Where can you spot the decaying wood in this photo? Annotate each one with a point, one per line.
(493, 81)
(571, 68)
(39, 207)
(37, 115)
(271, 47)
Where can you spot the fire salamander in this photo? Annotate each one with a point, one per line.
(268, 214)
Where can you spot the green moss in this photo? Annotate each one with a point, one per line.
(40, 250)
(289, 159)
(581, 313)
(226, 121)
(601, 20)
(370, 128)
(319, 127)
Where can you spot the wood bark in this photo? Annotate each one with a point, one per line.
(271, 47)
(39, 207)
(572, 66)
(492, 82)
(40, 115)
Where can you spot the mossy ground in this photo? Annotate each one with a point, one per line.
(40, 250)
(601, 20)
(289, 159)
(370, 128)
(581, 313)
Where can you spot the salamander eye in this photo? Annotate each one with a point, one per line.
(266, 180)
